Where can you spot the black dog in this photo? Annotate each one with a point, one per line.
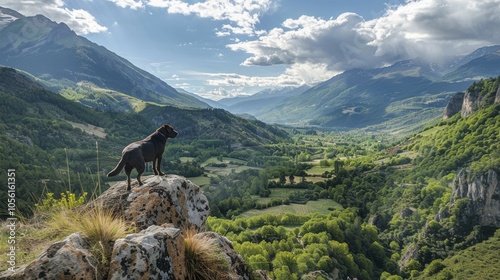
(138, 153)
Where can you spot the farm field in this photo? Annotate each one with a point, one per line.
(280, 193)
(320, 206)
(318, 170)
(225, 167)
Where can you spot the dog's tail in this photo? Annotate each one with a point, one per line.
(118, 168)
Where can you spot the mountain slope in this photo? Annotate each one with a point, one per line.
(54, 53)
(359, 98)
(483, 63)
(219, 124)
(263, 94)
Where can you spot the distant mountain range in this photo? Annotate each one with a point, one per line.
(62, 60)
(402, 97)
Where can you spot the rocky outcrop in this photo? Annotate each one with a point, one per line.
(410, 253)
(261, 275)
(162, 199)
(483, 194)
(454, 106)
(67, 259)
(469, 102)
(161, 210)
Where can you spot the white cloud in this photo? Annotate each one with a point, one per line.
(432, 29)
(238, 80)
(223, 92)
(182, 85)
(242, 15)
(81, 21)
(312, 47)
(312, 40)
(132, 4)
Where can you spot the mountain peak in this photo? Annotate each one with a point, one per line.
(52, 51)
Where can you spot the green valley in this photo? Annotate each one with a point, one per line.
(295, 202)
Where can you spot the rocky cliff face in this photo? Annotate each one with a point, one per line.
(483, 194)
(479, 195)
(162, 209)
(454, 106)
(469, 102)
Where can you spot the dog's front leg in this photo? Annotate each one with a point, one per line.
(158, 167)
(155, 168)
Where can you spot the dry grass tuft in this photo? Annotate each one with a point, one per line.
(204, 258)
(100, 227)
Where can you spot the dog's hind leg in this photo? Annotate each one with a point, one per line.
(128, 170)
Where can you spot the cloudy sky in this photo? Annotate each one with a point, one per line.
(218, 48)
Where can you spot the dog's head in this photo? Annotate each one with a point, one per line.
(168, 131)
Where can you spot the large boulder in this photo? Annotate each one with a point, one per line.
(154, 253)
(161, 199)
